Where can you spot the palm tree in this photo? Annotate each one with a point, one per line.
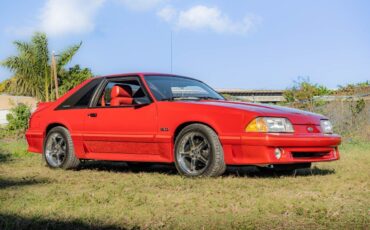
(31, 67)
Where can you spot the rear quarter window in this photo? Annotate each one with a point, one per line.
(82, 97)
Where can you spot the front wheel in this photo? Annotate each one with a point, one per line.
(198, 152)
(59, 150)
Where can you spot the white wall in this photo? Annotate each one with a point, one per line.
(3, 113)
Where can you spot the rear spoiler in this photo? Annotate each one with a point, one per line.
(42, 106)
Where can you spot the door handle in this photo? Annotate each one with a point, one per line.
(92, 114)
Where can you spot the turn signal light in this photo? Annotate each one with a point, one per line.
(257, 125)
(270, 125)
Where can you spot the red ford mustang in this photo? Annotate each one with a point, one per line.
(167, 118)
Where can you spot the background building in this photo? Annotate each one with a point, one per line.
(7, 102)
(259, 96)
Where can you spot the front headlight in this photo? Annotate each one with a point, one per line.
(270, 125)
(326, 126)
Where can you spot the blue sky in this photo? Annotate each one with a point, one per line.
(249, 44)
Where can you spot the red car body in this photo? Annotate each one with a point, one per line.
(147, 133)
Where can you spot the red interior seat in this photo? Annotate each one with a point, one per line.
(103, 100)
(121, 95)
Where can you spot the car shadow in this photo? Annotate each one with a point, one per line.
(251, 171)
(8, 221)
(129, 167)
(170, 169)
(6, 183)
(4, 156)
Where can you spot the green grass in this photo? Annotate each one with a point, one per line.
(110, 195)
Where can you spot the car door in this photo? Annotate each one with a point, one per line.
(72, 112)
(121, 132)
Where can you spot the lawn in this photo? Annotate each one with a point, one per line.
(107, 195)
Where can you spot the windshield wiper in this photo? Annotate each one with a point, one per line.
(180, 98)
(210, 98)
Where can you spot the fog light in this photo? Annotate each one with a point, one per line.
(277, 153)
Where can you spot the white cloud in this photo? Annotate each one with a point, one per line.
(203, 17)
(60, 17)
(142, 5)
(167, 14)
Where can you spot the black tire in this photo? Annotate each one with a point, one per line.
(215, 165)
(69, 161)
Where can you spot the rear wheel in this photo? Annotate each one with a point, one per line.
(59, 150)
(198, 152)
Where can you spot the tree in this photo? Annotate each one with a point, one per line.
(303, 92)
(68, 79)
(4, 86)
(31, 67)
(352, 89)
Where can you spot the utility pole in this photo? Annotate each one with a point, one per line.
(46, 84)
(54, 73)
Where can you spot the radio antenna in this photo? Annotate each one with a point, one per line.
(171, 56)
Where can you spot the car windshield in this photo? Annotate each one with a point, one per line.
(172, 88)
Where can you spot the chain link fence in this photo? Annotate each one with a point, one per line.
(350, 115)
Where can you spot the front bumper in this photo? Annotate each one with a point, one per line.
(259, 148)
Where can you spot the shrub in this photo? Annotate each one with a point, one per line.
(302, 94)
(350, 114)
(18, 118)
(352, 89)
(351, 117)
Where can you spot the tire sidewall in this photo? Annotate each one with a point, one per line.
(204, 131)
(62, 132)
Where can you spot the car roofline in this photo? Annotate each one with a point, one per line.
(145, 74)
(151, 74)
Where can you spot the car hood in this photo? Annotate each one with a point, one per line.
(296, 116)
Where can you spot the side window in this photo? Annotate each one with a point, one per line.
(85, 100)
(122, 93)
(82, 97)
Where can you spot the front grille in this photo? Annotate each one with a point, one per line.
(309, 154)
